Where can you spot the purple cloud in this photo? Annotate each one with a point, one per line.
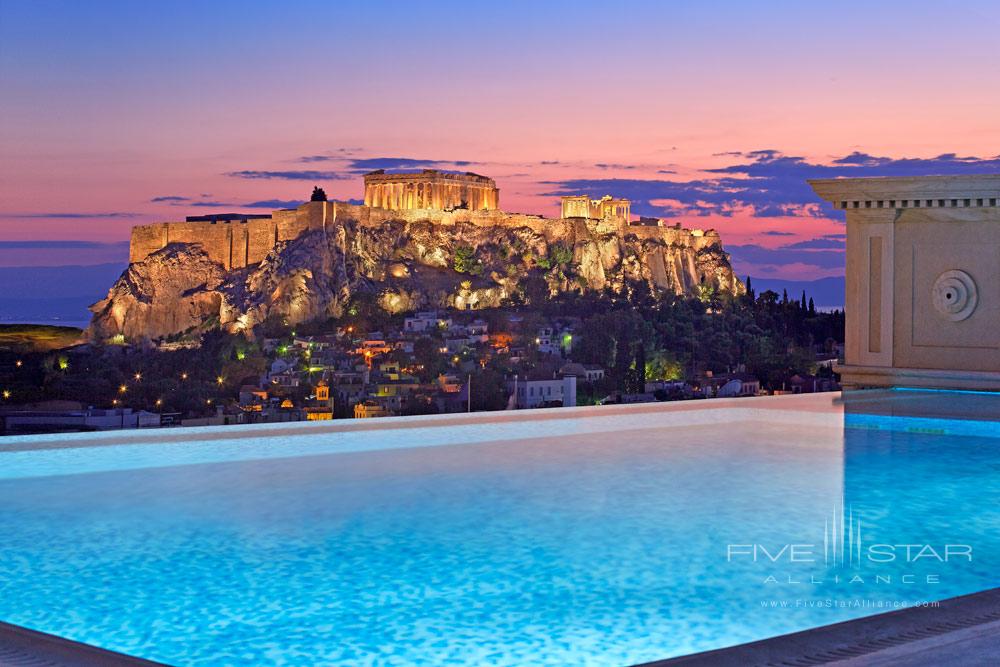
(300, 175)
(772, 183)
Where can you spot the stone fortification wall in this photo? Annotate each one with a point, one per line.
(232, 243)
(239, 243)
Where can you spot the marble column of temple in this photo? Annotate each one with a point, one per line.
(435, 191)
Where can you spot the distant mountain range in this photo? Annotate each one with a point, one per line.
(54, 294)
(826, 293)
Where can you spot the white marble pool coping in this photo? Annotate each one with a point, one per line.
(81, 453)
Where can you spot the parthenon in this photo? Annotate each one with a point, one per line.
(431, 189)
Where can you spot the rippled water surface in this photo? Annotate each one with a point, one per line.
(559, 544)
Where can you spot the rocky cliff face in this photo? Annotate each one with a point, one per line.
(404, 265)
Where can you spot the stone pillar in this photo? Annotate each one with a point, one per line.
(922, 296)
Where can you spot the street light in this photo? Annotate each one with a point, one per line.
(184, 376)
(122, 389)
(18, 363)
(219, 380)
(137, 376)
(6, 394)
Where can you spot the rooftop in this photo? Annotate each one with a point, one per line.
(981, 186)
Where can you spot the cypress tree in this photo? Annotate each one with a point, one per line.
(640, 368)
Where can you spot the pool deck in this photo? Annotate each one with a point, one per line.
(21, 647)
(961, 632)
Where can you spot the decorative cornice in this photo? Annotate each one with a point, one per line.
(977, 191)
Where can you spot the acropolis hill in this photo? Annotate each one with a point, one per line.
(429, 238)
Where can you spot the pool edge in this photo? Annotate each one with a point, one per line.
(864, 640)
(23, 646)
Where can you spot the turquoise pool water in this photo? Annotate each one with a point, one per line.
(611, 537)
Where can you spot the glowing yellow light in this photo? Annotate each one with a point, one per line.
(184, 376)
(114, 401)
(208, 401)
(122, 389)
(6, 393)
(18, 363)
(137, 376)
(219, 380)
(159, 401)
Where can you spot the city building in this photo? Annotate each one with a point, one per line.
(583, 372)
(89, 419)
(424, 321)
(320, 406)
(370, 409)
(543, 392)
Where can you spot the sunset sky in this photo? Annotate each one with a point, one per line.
(710, 113)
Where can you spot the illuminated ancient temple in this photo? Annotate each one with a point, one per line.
(605, 208)
(431, 189)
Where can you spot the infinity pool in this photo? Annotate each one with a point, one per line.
(587, 536)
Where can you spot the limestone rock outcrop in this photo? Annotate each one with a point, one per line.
(403, 261)
(173, 290)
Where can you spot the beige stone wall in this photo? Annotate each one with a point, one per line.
(922, 294)
(926, 245)
(145, 240)
(233, 244)
(576, 207)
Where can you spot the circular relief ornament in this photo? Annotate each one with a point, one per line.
(955, 295)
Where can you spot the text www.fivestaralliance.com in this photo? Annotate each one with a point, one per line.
(850, 603)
